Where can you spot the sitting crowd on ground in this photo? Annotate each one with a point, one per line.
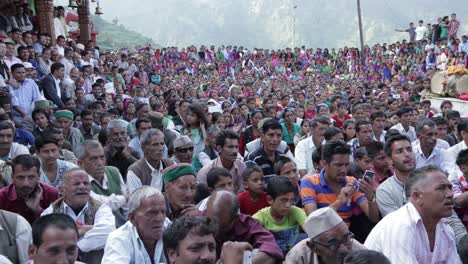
(229, 154)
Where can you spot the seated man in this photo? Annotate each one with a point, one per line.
(329, 240)
(140, 239)
(223, 207)
(27, 196)
(179, 186)
(183, 150)
(55, 239)
(15, 237)
(65, 119)
(8, 148)
(94, 220)
(415, 233)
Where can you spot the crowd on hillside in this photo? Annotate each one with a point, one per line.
(195, 155)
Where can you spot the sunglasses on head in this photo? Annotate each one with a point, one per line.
(184, 150)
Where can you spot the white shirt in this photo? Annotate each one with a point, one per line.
(440, 144)
(23, 238)
(381, 138)
(104, 223)
(303, 153)
(133, 182)
(57, 87)
(411, 133)
(402, 238)
(114, 201)
(436, 158)
(68, 65)
(420, 32)
(16, 149)
(452, 154)
(125, 246)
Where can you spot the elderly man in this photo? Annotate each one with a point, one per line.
(15, 234)
(179, 185)
(107, 185)
(8, 148)
(140, 239)
(329, 240)
(223, 207)
(64, 120)
(55, 233)
(227, 143)
(183, 150)
(415, 233)
(94, 220)
(147, 170)
(27, 196)
(118, 153)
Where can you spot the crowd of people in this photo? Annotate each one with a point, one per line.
(199, 155)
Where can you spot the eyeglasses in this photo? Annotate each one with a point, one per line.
(184, 150)
(335, 244)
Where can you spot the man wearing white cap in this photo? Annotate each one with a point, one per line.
(183, 150)
(329, 240)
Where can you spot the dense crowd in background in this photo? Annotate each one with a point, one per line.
(193, 155)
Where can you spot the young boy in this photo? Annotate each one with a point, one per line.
(362, 159)
(286, 167)
(282, 218)
(426, 106)
(460, 188)
(341, 115)
(216, 179)
(254, 198)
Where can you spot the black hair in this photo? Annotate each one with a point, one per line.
(226, 134)
(334, 147)
(422, 123)
(86, 112)
(317, 154)
(462, 157)
(16, 66)
(438, 120)
(362, 122)
(462, 125)
(378, 114)
(182, 227)
(279, 185)
(404, 110)
(355, 170)
(452, 114)
(56, 66)
(374, 148)
(59, 221)
(271, 124)
(391, 140)
(251, 170)
(279, 163)
(41, 141)
(141, 120)
(321, 119)
(366, 257)
(360, 153)
(214, 174)
(390, 133)
(27, 161)
(331, 132)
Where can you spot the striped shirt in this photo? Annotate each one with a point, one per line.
(314, 189)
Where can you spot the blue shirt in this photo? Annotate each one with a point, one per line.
(24, 137)
(25, 96)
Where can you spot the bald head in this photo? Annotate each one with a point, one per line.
(223, 207)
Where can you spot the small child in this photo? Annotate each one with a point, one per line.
(286, 167)
(282, 218)
(217, 179)
(426, 106)
(460, 187)
(254, 198)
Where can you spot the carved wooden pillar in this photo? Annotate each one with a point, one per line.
(85, 22)
(45, 15)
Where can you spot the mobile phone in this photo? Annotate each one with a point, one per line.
(368, 175)
(247, 257)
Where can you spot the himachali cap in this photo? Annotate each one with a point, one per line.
(182, 141)
(178, 170)
(64, 113)
(80, 46)
(320, 221)
(42, 103)
(28, 65)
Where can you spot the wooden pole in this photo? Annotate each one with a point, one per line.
(85, 22)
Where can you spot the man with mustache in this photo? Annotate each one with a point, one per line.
(227, 144)
(179, 186)
(139, 240)
(27, 196)
(426, 149)
(415, 232)
(334, 189)
(118, 153)
(94, 220)
(330, 240)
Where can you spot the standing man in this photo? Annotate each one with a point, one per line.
(334, 189)
(420, 30)
(140, 239)
(306, 147)
(94, 220)
(148, 169)
(27, 196)
(411, 31)
(51, 85)
(453, 26)
(415, 232)
(227, 143)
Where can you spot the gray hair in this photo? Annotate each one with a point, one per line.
(419, 175)
(137, 197)
(82, 149)
(116, 123)
(148, 134)
(213, 129)
(424, 122)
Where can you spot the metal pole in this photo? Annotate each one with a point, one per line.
(294, 26)
(361, 35)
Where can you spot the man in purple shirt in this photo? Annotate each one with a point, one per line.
(27, 196)
(223, 207)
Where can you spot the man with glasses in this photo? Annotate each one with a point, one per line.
(183, 150)
(329, 240)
